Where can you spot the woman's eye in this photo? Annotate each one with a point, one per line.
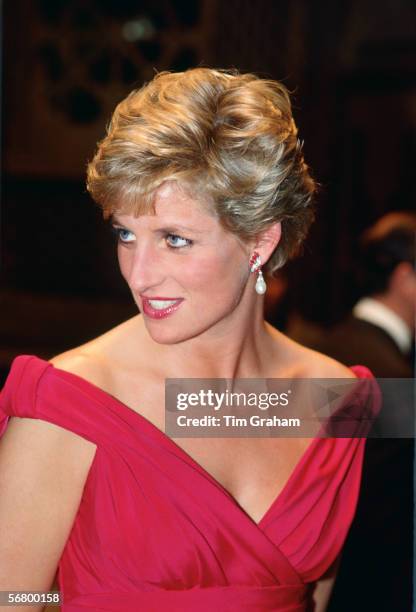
(123, 235)
(176, 242)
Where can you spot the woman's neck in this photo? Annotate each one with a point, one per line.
(237, 347)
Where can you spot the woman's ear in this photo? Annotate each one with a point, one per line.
(267, 241)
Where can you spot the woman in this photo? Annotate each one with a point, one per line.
(203, 178)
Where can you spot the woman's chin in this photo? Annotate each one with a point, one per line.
(165, 334)
(173, 333)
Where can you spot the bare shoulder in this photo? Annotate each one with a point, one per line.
(96, 359)
(322, 366)
(313, 364)
(83, 362)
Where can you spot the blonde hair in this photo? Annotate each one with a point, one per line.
(230, 136)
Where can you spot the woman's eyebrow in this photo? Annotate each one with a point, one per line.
(177, 227)
(172, 228)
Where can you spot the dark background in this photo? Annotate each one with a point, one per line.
(66, 63)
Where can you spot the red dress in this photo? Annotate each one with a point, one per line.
(154, 531)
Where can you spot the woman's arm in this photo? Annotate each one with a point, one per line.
(43, 469)
(324, 586)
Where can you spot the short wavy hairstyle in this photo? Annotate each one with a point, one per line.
(229, 136)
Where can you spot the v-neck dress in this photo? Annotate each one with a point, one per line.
(154, 531)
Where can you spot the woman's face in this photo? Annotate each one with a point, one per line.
(187, 274)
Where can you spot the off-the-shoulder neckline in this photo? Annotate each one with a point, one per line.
(160, 436)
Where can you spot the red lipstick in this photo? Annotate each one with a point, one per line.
(160, 313)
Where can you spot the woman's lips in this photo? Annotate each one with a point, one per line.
(158, 310)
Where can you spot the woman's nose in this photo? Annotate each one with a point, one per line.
(146, 269)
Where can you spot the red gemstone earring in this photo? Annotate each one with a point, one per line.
(255, 265)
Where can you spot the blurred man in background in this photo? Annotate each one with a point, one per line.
(379, 333)
(376, 567)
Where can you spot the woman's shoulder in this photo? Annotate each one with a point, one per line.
(96, 359)
(305, 362)
(83, 361)
(319, 365)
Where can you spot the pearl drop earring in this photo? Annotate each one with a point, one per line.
(255, 265)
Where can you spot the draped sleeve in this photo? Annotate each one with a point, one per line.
(35, 389)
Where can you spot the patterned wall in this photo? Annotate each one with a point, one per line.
(68, 63)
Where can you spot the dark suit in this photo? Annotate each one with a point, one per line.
(363, 343)
(376, 565)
